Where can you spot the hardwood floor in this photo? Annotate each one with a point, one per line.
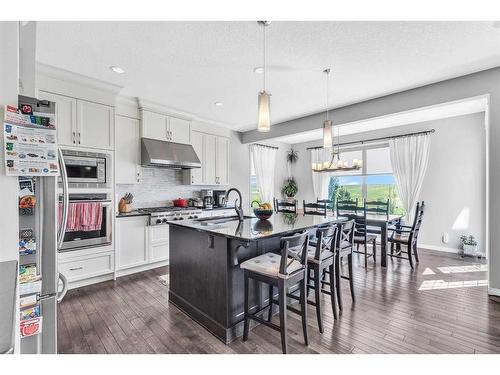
(432, 309)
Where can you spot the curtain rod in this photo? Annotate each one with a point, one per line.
(377, 139)
(273, 147)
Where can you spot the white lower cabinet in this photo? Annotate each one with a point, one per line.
(139, 245)
(132, 241)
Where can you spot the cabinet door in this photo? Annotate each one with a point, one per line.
(222, 163)
(198, 174)
(132, 241)
(179, 130)
(94, 125)
(127, 150)
(65, 117)
(154, 125)
(210, 150)
(159, 240)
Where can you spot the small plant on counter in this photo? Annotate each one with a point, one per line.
(290, 188)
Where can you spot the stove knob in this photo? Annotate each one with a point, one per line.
(195, 217)
(181, 218)
(158, 221)
(164, 220)
(175, 218)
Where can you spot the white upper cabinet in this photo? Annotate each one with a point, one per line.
(95, 125)
(197, 175)
(154, 125)
(82, 123)
(179, 130)
(165, 128)
(127, 150)
(209, 166)
(65, 117)
(222, 161)
(214, 151)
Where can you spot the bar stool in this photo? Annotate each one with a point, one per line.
(320, 258)
(345, 248)
(280, 271)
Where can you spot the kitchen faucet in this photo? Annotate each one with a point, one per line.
(237, 203)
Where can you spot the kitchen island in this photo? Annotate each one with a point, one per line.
(206, 281)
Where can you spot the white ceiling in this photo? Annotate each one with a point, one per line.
(440, 111)
(188, 66)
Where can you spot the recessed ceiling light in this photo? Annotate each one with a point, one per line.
(258, 70)
(219, 104)
(117, 69)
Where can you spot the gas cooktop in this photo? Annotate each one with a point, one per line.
(152, 210)
(162, 215)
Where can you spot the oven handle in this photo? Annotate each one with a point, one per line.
(105, 202)
(64, 216)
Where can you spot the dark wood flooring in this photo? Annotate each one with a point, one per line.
(428, 310)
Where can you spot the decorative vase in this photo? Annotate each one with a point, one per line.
(470, 250)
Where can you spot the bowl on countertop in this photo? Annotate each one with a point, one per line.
(262, 213)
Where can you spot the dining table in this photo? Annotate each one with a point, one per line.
(383, 222)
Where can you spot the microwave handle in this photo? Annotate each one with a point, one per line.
(64, 217)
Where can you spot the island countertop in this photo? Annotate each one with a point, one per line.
(252, 229)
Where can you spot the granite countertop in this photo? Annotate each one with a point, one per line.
(131, 213)
(8, 280)
(251, 228)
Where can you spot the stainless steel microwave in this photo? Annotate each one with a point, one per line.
(85, 167)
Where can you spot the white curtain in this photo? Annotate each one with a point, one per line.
(409, 158)
(264, 161)
(320, 180)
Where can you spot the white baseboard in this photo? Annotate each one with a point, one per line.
(146, 267)
(494, 292)
(439, 248)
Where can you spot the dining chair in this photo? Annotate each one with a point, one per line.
(280, 271)
(328, 202)
(377, 208)
(286, 206)
(363, 237)
(407, 235)
(314, 208)
(347, 207)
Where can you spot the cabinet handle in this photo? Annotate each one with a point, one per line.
(192, 179)
(76, 269)
(170, 135)
(74, 137)
(79, 138)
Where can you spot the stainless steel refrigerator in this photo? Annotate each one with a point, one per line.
(40, 237)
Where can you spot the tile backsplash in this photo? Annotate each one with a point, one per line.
(157, 186)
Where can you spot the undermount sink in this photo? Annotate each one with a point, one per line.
(219, 220)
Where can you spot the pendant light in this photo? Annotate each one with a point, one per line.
(327, 124)
(264, 118)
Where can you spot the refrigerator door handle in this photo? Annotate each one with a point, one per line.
(64, 218)
(64, 289)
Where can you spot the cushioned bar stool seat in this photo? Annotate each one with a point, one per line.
(269, 264)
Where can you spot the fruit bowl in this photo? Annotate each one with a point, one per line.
(264, 211)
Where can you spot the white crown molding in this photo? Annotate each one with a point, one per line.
(160, 108)
(68, 76)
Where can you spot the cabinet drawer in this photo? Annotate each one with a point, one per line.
(159, 233)
(85, 268)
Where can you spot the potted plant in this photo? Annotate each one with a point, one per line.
(469, 244)
(292, 156)
(290, 188)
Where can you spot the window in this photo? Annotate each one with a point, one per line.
(254, 188)
(374, 182)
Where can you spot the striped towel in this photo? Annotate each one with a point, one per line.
(83, 217)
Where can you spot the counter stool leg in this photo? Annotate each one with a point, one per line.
(317, 292)
(332, 292)
(351, 276)
(283, 325)
(245, 326)
(338, 285)
(270, 312)
(303, 308)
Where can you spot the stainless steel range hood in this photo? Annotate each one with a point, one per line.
(168, 154)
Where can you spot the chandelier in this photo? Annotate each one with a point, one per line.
(336, 164)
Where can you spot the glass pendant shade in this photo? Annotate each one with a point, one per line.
(327, 134)
(264, 121)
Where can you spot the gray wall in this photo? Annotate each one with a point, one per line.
(482, 83)
(454, 185)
